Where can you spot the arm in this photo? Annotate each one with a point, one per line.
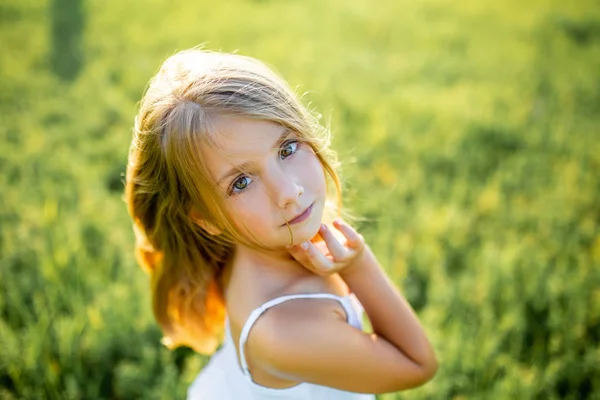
(391, 316)
(308, 340)
(313, 344)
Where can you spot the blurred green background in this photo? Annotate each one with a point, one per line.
(470, 136)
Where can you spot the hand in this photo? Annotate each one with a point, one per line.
(329, 255)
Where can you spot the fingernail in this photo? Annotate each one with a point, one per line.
(304, 245)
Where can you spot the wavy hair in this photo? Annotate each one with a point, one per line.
(166, 179)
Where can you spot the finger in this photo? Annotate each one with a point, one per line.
(337, 250)
(309, 257)
(317, 259)
(354, 239)
(298, 252)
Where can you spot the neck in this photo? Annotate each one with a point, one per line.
(276, 261)
(277, 269)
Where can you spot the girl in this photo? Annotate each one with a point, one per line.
(228, 184)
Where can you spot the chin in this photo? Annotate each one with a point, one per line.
(309, 229)
(303, 234)
(308, 232)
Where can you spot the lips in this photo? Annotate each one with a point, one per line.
(301, 217)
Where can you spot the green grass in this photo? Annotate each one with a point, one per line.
(470, 136)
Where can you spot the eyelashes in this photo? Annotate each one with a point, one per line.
(241, 182)
(289, 147)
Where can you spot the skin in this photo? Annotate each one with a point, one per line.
(308, 340)
(281, 178)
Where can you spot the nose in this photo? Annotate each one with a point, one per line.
(287, 193)
(291, 196)
(285, 187)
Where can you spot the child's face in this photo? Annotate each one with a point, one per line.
(267, 177)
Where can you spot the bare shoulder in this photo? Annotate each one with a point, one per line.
(309, 340)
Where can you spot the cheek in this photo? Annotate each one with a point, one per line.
(250, 213)
(314, 174)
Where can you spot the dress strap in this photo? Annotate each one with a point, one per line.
(259, 310)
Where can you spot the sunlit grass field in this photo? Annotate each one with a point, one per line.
(469, 133)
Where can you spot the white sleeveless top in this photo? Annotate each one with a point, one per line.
(223, 379)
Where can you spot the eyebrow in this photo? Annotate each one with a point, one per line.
(240, 167)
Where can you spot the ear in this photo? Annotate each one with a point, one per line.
(204, 224)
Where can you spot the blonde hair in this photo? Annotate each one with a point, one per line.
(166, 179)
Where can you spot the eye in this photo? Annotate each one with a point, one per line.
(288, 149)
(240, 184)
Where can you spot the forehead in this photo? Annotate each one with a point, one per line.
(237, 140)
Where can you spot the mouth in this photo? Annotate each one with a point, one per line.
(301, 217)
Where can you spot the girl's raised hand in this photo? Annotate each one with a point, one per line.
(330, 255)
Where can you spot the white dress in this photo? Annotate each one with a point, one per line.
(223, 379)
